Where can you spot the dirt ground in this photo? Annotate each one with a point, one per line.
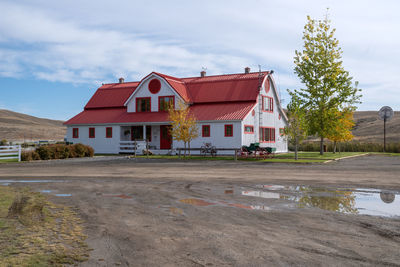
(140, 212)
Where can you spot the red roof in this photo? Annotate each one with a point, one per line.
(111, 95)
(202, 112)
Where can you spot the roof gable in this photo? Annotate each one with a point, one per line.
(111, 95)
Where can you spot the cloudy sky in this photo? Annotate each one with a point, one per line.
(54, 54)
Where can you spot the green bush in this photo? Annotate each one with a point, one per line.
(58, 151)
(3, 142)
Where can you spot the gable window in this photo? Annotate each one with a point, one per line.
(267, 134)
(228, 130)
(267, 104)
(75, 133)
(164, 102)
(108, 132)
(92, 133)
(205, 131)
(248, 129)
(143, 104)
(281, 131)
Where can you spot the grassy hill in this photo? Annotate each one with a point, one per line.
(369, 127)
(17, 127)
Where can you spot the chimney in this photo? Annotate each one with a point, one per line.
(247, 70)
(203, 73)
(121, 80)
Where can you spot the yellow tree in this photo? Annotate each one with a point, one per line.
(342, 130)
(183, 124)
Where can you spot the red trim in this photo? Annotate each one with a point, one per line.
(154, 86)
(267, 85)
(92, 132)
(271, 135)
(159, 101)
(203, 133)
(75, 132)
(226, 128)
(140, 98)
(249, 132)
(109, 132)
(270, 104)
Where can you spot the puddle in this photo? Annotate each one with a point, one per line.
(366, 201)
(46, 191)
(63, 195)
(7, 182)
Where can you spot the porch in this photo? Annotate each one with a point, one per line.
(139, 137)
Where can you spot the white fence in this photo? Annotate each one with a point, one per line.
(135, 147)
(10, 152)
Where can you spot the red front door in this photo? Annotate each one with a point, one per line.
(165, 137)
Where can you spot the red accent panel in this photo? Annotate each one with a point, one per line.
(75, 132)
(228, 130)
(109, 132)
(92, 133)
(266, 85)
(154, 86)
(205, 131)
(253, 113)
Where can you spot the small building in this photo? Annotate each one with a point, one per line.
(232, 110)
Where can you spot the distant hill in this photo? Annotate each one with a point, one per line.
(369, 127)
(18, 127)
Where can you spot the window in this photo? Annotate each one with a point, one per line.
(267, 104)
(164, 102)
(205, 131)
(148, 133)
(92, 133)
(143, 104)
(228, 130)
(249, 129)
(108, 132)
(267, 134)
(281, 131)
(75, 133)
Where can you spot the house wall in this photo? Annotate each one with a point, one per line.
(143, 91)
(217, 136)
(273, 119)
(100, 143)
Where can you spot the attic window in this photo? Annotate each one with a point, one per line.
(154, 86)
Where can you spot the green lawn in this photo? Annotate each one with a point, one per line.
(316, 155)
(8, 160)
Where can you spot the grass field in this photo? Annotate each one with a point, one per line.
(36, 232)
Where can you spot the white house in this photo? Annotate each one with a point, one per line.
(231, 110)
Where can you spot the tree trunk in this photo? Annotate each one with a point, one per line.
(189, 148)
(296, 148)
(321, 146)
(334, 147)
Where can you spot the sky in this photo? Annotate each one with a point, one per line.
(55, 54)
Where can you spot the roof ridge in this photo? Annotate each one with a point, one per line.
(215, 81)
(229, 74)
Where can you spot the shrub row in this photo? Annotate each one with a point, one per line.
(58, 152)
(352, 146)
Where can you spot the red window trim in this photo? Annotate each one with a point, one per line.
(271, 132)
(109, 135)
(94, 132)
(75, 132)
(140, 98)
(248, 125)
(226, 126)
(202, 131)
(159, 101)
(270, 102)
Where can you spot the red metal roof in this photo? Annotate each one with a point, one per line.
(202, 112)
(111, 95)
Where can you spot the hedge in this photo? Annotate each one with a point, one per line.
(353, 146)
(58, 151)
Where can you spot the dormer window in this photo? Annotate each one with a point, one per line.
(164, 102)
(143, 104)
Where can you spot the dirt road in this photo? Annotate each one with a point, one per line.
(215, 213)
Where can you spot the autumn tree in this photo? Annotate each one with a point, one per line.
(183, 124)
(342, 131)
(295, 131)
(328, 86)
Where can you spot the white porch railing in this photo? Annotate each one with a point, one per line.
(135, 147)
(10, 152)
